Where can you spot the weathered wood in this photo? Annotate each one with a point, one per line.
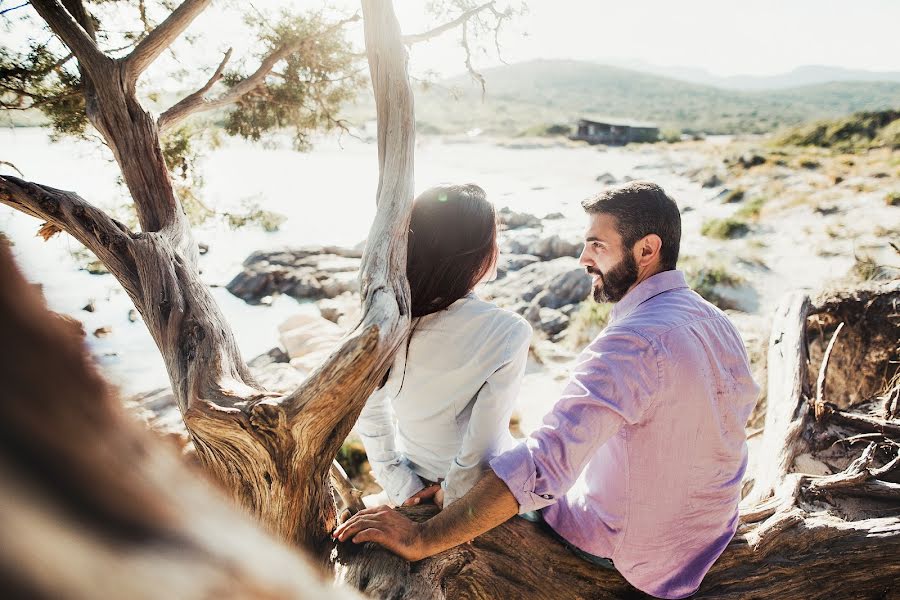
(791, 543)
(92, 505)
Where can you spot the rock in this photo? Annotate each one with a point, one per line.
(308, 339)
(751, 159)
(202, 248)
(516, 220)
(554, 216)
(266, 301)
(686, 209)
(555, 247)
(281, 378)
(606, 179)
(552, 321)
(711, 181)
(275, 355)
(569, 309)
(514, 262)
(91, 306)
(309, 273)
(95, 267)
(563, 280)
(343, 310)
(133, 315)
(102, 332)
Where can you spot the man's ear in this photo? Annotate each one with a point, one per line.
(648, 249)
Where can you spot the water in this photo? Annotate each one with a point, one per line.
(328, 196)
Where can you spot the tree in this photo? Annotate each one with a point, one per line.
(273, 453)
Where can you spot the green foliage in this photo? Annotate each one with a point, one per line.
(254, 215)
(670, 135)
(752, 209)
(856, 132)
(546, 130)
(724, 229)
(317, 78)
(587, 322)
(892, 199)
(707, 279)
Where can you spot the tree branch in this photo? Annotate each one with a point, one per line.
(73, 35)
(162, 37)
(433, 33)
(107, 238)
(193, 102)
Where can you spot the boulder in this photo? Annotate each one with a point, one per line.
(558, 282)
(308, 273)
(514, 262)
(515, 220)
(606, 179)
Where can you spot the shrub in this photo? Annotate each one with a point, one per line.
(724, 229)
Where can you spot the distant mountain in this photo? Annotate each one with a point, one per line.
(806, 75)
(522, 95)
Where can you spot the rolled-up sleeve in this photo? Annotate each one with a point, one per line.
(614, 382)
(390, 467)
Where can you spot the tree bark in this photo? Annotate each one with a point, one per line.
(800, 535)
(272, 453)
(92, 505)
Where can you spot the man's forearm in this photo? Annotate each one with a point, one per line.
(488, 504)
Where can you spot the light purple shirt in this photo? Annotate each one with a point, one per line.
(641, 459)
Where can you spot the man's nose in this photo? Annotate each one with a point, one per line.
(584, 260)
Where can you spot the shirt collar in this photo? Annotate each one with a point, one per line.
(650, 287)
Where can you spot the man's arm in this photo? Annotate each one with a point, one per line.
(488, 504)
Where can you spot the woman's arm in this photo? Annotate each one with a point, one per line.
(391, 470)
(490, 416)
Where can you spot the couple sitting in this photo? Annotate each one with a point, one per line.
(638, 465)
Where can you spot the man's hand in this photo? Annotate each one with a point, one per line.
(423, 494)
(387, 527)
(439, 497)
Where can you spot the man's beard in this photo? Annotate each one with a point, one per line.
(614, 284)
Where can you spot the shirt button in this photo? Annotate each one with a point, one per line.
(547, 496)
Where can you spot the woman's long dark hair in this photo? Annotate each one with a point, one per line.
(452, 240)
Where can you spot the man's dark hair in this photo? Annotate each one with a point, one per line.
(642, 208)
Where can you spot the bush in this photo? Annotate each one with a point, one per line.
(735, 195)
(751, 209)
(587, 322)
(670, 135)
(892, 199)
(704, 281)
(859, 131)
(724, 229)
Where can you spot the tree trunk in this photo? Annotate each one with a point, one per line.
(272, 453)
(802, 534)
(92, 505)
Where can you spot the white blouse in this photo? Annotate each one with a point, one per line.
(445, 408)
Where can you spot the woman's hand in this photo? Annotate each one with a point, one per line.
(424, 494)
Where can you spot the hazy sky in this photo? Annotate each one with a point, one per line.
(726, 37)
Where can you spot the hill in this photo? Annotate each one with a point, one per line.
(522, 95)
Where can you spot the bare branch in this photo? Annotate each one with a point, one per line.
(475, 74)
(107, 238)
(162, 37)
(75, 36)
(433, 33)
(189, 104)
(823, 373)
(6, 10)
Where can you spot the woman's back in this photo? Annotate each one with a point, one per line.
(451, 391)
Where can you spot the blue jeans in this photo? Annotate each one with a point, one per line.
(535, 516)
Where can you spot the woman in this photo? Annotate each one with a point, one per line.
(453, 383)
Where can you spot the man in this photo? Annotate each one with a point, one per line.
(639, 464)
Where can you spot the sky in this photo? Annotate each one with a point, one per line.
(725, 37)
